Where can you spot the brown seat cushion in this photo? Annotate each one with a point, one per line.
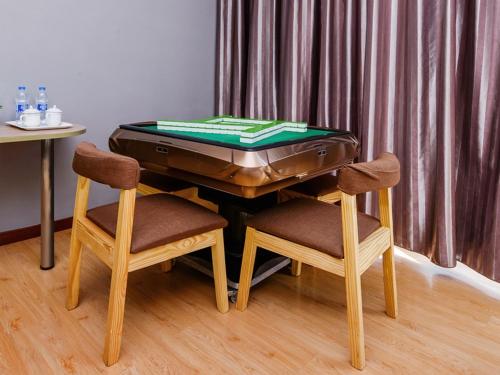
(317, 187)
(162, 182)
(311, 223)
(159, 219)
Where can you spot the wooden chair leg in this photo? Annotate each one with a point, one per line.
(75, 247)
(353, 280)
(246, 270)
(355, 318)
(118, 289)
(219, 268)
(116, 310)
(73, 285)
(167, 265)
(296, 267)
(390, 290)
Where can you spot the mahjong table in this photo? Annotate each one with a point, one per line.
(239, 164)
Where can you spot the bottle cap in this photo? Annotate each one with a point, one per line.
(42, 88)
(21, 87)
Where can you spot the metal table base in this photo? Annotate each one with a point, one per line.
(261, 273)
(47, 205)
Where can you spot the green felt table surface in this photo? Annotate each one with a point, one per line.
(228, 139)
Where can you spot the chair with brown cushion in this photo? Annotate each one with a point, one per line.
(135, 233)
(336, 239)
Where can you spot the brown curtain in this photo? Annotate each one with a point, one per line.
(420, 78)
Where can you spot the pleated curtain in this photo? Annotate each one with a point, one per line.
(420, 78)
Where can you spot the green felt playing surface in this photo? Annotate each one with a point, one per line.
(249, 130)
(235, 139)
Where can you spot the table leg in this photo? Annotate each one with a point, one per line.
(47, 205)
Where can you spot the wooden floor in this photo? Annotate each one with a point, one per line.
(292, 325)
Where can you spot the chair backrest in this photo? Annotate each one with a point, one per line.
(117, 171)
(383, 172)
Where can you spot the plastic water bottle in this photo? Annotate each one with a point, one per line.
(21, 101)
(42, 101)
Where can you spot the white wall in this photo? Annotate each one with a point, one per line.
(104, 63)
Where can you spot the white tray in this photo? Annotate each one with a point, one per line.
(62, 125)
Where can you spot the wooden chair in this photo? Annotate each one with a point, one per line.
(323, 188)
(336, 239)
(135, 233)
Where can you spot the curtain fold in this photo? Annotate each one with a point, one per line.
(420, 78)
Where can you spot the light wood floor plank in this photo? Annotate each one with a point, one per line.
(292, 325)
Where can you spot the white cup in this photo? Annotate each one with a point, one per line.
(53, 116)
(30, 118)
